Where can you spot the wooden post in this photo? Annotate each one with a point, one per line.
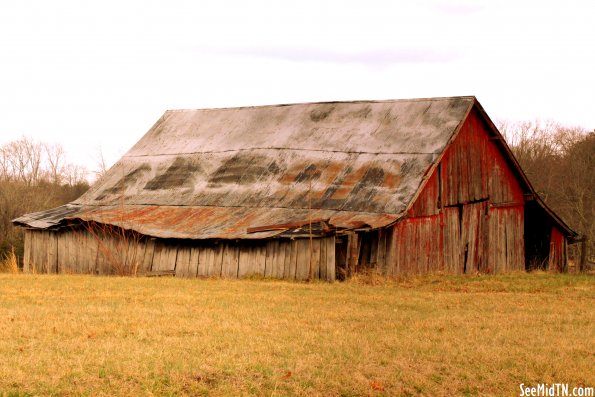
(310, 230)
(583, 261)
(565, 262)
(352, 253)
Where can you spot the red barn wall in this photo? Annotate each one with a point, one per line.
(557, 257)
(470, 215)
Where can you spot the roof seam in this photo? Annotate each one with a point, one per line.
(238, 206)
(276, 148)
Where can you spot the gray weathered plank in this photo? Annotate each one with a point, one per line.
(147, 260)
(182, 266)
(193, 264)
(302, 259)
(330, 258)
(229, 264)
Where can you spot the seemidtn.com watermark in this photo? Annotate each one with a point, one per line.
(555, 390)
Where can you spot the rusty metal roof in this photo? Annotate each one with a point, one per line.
(205, 222)
(214, 173)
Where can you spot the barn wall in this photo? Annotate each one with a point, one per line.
(506, 246)
(79, 251)
(470, 215)
(557, 254)
(416, 245)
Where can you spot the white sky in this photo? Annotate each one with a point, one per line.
(98, 74)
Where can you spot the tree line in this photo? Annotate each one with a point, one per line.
(559, 162)
(34, 176)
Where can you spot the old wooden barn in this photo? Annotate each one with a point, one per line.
(313, 190)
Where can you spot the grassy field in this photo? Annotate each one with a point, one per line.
(434, 335)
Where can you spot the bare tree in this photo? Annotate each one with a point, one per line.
(33, 177)
(101, 164)
(75, 174)
(559, 161)
(55, 162)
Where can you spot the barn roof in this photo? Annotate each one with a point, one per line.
(215, 173)
(255, 172)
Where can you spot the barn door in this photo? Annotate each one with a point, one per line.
(464, 237)
(473, 236)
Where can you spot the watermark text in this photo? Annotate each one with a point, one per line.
(555, 390)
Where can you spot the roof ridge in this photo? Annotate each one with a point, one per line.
(363, 101)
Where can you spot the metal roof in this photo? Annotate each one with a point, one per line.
(188, 222)
(214, 173)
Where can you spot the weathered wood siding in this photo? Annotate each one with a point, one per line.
(78, 251)
(465, 164)
(470, 215)
(506, 239)
(557, 257)
(416, 246)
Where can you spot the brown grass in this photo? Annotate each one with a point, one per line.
(434, 335)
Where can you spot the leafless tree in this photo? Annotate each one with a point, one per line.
(55, 157)
(101, 164)
(559, 161)
(33, 177)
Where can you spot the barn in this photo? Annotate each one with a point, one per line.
(307, 191)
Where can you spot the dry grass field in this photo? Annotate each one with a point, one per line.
(433, 336)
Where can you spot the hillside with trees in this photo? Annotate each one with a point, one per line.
(559, 162)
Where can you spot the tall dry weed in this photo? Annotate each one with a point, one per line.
(9, 263)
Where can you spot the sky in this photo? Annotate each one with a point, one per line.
(94, 76)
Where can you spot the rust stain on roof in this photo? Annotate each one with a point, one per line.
(205, 222)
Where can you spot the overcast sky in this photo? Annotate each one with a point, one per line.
(98, 74)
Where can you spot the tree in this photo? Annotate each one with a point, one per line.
(33, 177)
(559, 161)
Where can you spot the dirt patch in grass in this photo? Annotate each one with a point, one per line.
(433, 335)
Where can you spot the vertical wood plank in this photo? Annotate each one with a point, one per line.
(273, 269)
(391, 235)
(270, 247)
(149, 251)
(157, 256)
(315, 258)
(172, 255)
(330, 259)
(53, 253)
(302, 259)
(279, 260)
(76, 252)
(66, 257)
(287, 244)
(293, 259)
(182, 265)
(194, 262)
(381, 251)
(352, 252)
(229, 264)
(27, 252)
(213, 258)
(246, 261)
(90, 252)
(81, 251)
(260, 259)
(34, 249)
(205, 260)
(323, 267)
(100, 260)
